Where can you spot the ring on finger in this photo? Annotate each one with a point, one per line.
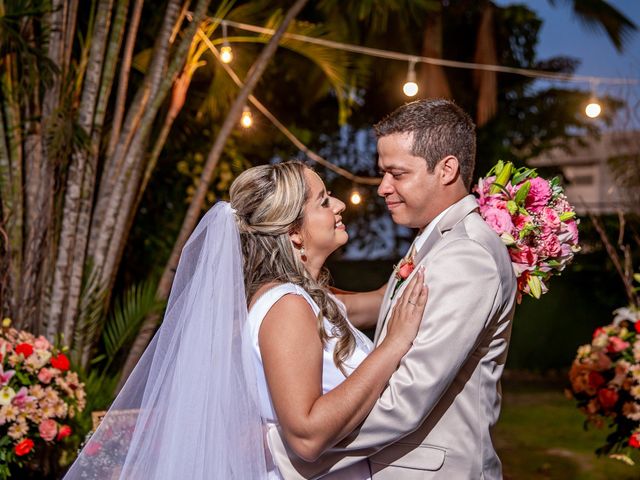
(409, 301)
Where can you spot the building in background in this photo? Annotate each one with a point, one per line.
(601, 175)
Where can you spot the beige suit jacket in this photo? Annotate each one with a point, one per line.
(434, 419)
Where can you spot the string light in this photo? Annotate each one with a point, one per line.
(355, 198)
(226, 54)
(593, 108)
(247, 118)
(410, 87)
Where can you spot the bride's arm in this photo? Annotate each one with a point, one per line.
(362, 307)
(292, 356)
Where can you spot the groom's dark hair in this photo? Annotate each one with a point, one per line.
(439, 128)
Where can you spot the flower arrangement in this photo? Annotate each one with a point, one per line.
(535, 221)
(38, 394)
(605, 382)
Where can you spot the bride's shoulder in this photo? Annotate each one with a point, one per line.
(275, 289)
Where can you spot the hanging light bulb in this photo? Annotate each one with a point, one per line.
(593, 108)
(410, 88)
(226, 54)
(355, 198)
(247, 118)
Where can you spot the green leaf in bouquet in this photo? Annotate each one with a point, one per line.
(636, 277)
(496, 169)
(553, 263)
(512, 207)
(522, 193)
(522, 174)
(567, 216)
(535, 285)
(24, 379)
(502, 178)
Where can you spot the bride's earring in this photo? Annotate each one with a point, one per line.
(303, 256)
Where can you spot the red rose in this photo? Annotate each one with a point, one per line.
(63, 431)
(598, 331)
(405, 270)
(637, 325)
(596, 380)
(24, 349)
(61, 362)
(607, 397)
(24, 447)
(634, 440)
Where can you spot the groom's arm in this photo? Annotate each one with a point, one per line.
(363, 308)
(464, 289)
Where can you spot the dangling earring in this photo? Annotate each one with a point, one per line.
(303, 256)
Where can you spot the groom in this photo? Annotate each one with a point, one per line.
(435, 418)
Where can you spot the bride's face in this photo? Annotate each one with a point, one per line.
(322, 228)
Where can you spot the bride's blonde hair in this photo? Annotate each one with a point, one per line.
(269, 203)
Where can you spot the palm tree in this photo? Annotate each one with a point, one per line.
(598, 14)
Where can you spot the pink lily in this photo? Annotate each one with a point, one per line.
(5, 376)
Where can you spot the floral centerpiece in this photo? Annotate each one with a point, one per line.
(605, 382)
(38, 395)
(534, 220)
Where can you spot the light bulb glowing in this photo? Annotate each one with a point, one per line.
(226, 54)
(410, 89)
(356, 198)
(247, 119)
(593, 110)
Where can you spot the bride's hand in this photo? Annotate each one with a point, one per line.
(407, 313)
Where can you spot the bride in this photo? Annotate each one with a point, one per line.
(253, 336)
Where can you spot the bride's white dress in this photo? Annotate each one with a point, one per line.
(331, 375)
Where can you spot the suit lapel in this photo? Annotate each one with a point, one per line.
(457, 213)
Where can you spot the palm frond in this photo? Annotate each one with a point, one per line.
(128, 313)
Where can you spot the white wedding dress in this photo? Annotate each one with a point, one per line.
(331, 375)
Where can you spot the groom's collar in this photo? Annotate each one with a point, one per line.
(449, 219)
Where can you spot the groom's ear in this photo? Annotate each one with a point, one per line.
(449, 169)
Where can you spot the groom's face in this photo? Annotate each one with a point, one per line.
(407, 186)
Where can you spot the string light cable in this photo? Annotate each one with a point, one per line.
(280, 126)
(376, 52)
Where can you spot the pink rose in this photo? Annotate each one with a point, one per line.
(550, 218)
(48, 430)
(498, 219)
(549, 246)
(524, 255)
(539, 194)
(45, 375)
(616, 344)
(41, 343)
(572, 227)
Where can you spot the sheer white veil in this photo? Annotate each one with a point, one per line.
(190, 407)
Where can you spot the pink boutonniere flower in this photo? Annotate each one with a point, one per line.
(404, 269)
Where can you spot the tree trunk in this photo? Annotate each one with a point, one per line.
(195, 208)
(88, 187)
(486, 82)
(434, 80)
(71, 247)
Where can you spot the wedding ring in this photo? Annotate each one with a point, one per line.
(412, 303)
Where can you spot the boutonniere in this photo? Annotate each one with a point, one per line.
(402, 271)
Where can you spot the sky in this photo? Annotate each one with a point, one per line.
(562, 34)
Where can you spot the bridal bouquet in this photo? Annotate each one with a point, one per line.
(535, 221)
(605, 382)
(38, 394)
